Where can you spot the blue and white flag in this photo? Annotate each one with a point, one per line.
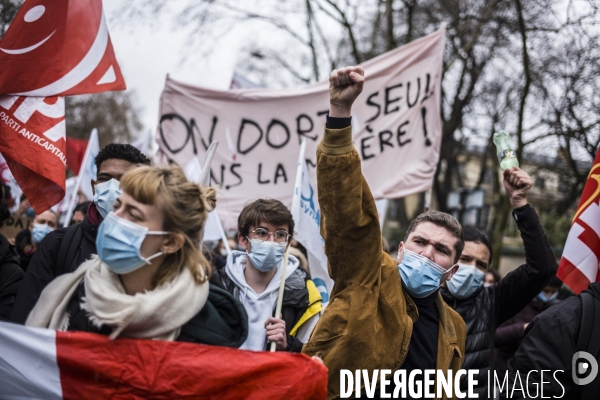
(307, 219)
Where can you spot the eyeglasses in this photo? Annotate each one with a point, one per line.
(280, 236)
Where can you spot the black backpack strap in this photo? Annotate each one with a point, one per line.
(587, 319)
(68, 248)
(590, 326)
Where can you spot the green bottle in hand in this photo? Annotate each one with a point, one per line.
(506, 155)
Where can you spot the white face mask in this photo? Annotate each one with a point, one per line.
(105, 195)
(266, 256)
(465, 281)
(420, 275)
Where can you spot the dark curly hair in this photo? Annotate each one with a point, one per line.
(125, 152)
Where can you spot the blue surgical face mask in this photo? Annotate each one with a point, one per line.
(266, 256)
(420, 276)
(30, 212)
(542, 297)
(105, 195)
(465, 281)
(118, 244)
(39, 232)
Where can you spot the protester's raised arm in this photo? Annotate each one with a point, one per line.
(349, 221)
(517, 184)
(520, 286)
(345, 85)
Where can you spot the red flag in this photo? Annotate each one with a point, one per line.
(44, 364)
(75, 152)
(579, 265)
(58, 48)
(51, 49)
(32, 132)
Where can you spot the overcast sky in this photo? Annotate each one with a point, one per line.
(147, 55)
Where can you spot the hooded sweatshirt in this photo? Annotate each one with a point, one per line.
(258, 306)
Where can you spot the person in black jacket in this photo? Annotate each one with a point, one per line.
(510, 334)
(485, 308)
(11, 273)
(53, 258)
(149, 279)
(551, 342)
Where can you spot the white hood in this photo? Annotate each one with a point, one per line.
(258, 306)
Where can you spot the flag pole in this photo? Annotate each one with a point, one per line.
(281, 287)
(205, 173)
(298, 184)
(84, 163)
(295, 212)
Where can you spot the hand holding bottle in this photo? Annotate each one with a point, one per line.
(517, 184)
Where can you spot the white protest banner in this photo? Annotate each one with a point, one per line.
(397, 121)
(307, 219)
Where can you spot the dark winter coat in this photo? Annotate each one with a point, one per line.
(551, 341)
(510, 334)
(24, 248)
(489, 307)
(11, 276)
(44, 265)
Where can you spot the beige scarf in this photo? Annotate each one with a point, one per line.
(155, 314)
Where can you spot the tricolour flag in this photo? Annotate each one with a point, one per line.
(50, 50)
(44, 364)
(307, 220)
(579, 264)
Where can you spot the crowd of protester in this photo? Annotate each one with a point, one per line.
(132, 264)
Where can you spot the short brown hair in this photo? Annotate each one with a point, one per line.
(444, 220)
(270, 211)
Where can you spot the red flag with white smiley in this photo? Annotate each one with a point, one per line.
(51, 49)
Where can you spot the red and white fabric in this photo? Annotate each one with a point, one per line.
(58, 48)
(51, 49)
(44, 364)
(579, 265)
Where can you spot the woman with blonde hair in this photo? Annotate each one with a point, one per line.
(149, 279)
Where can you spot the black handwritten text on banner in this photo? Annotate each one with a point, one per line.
(397, 129)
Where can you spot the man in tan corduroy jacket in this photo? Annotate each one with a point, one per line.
(379, 305)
